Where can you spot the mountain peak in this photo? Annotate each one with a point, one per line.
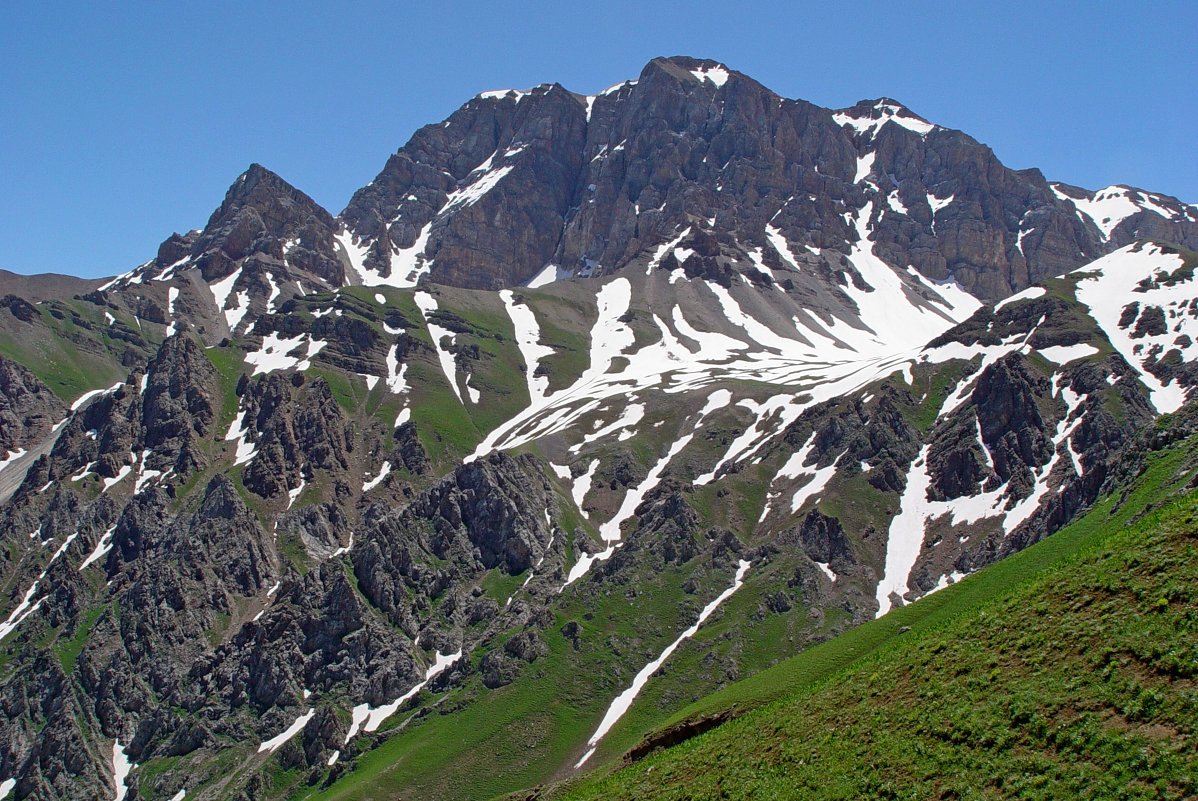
(688, 68)
(259, 184)
(868, 117)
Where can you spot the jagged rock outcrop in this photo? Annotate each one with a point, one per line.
(823, 540)
(266, 218)
(668, 533)
(488, 515)
(179, 406)
(298, 431)
(101, 439)
(876, 434)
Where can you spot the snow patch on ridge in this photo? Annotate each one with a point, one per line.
(881, 114)
(1031, 293)
(1109, 207)
(718, 74)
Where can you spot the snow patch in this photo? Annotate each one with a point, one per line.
(103, 546)
(883, 113)
(239, 431)
(718, 74)
(582, 485)
(778, 240)
(819, 480)
(499, 94)
(1063, 354)
(294, 493)
(1031, 293)
(937, 203)
(528, 339)
(865, 165)
(172, 295)
(472, 193)
(378, 479)
(121, 768)
(274, 743)
(438, 335)
(548, 274)
(87, 396)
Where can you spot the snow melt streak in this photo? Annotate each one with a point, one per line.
(367, 718)
(624, 700)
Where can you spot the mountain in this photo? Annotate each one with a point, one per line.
(583, 409)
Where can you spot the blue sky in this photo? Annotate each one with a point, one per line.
(123, 122)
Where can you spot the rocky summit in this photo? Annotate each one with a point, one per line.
(583, 409)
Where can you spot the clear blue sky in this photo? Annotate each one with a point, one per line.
(123, 122)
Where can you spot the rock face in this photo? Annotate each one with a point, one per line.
(178, 406)
(489, 514)
(484, 196)
(519, 182)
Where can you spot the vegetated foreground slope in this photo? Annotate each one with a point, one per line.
(296, 509)
(1066, 671)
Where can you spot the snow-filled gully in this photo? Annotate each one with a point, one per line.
(438, 334)
(624, 700)
(528, 339)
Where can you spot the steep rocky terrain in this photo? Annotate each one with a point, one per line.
(584, 408)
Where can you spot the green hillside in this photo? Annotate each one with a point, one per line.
(1065, 671)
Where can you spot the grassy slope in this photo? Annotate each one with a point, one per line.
(1065, 671)
(70, 349)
